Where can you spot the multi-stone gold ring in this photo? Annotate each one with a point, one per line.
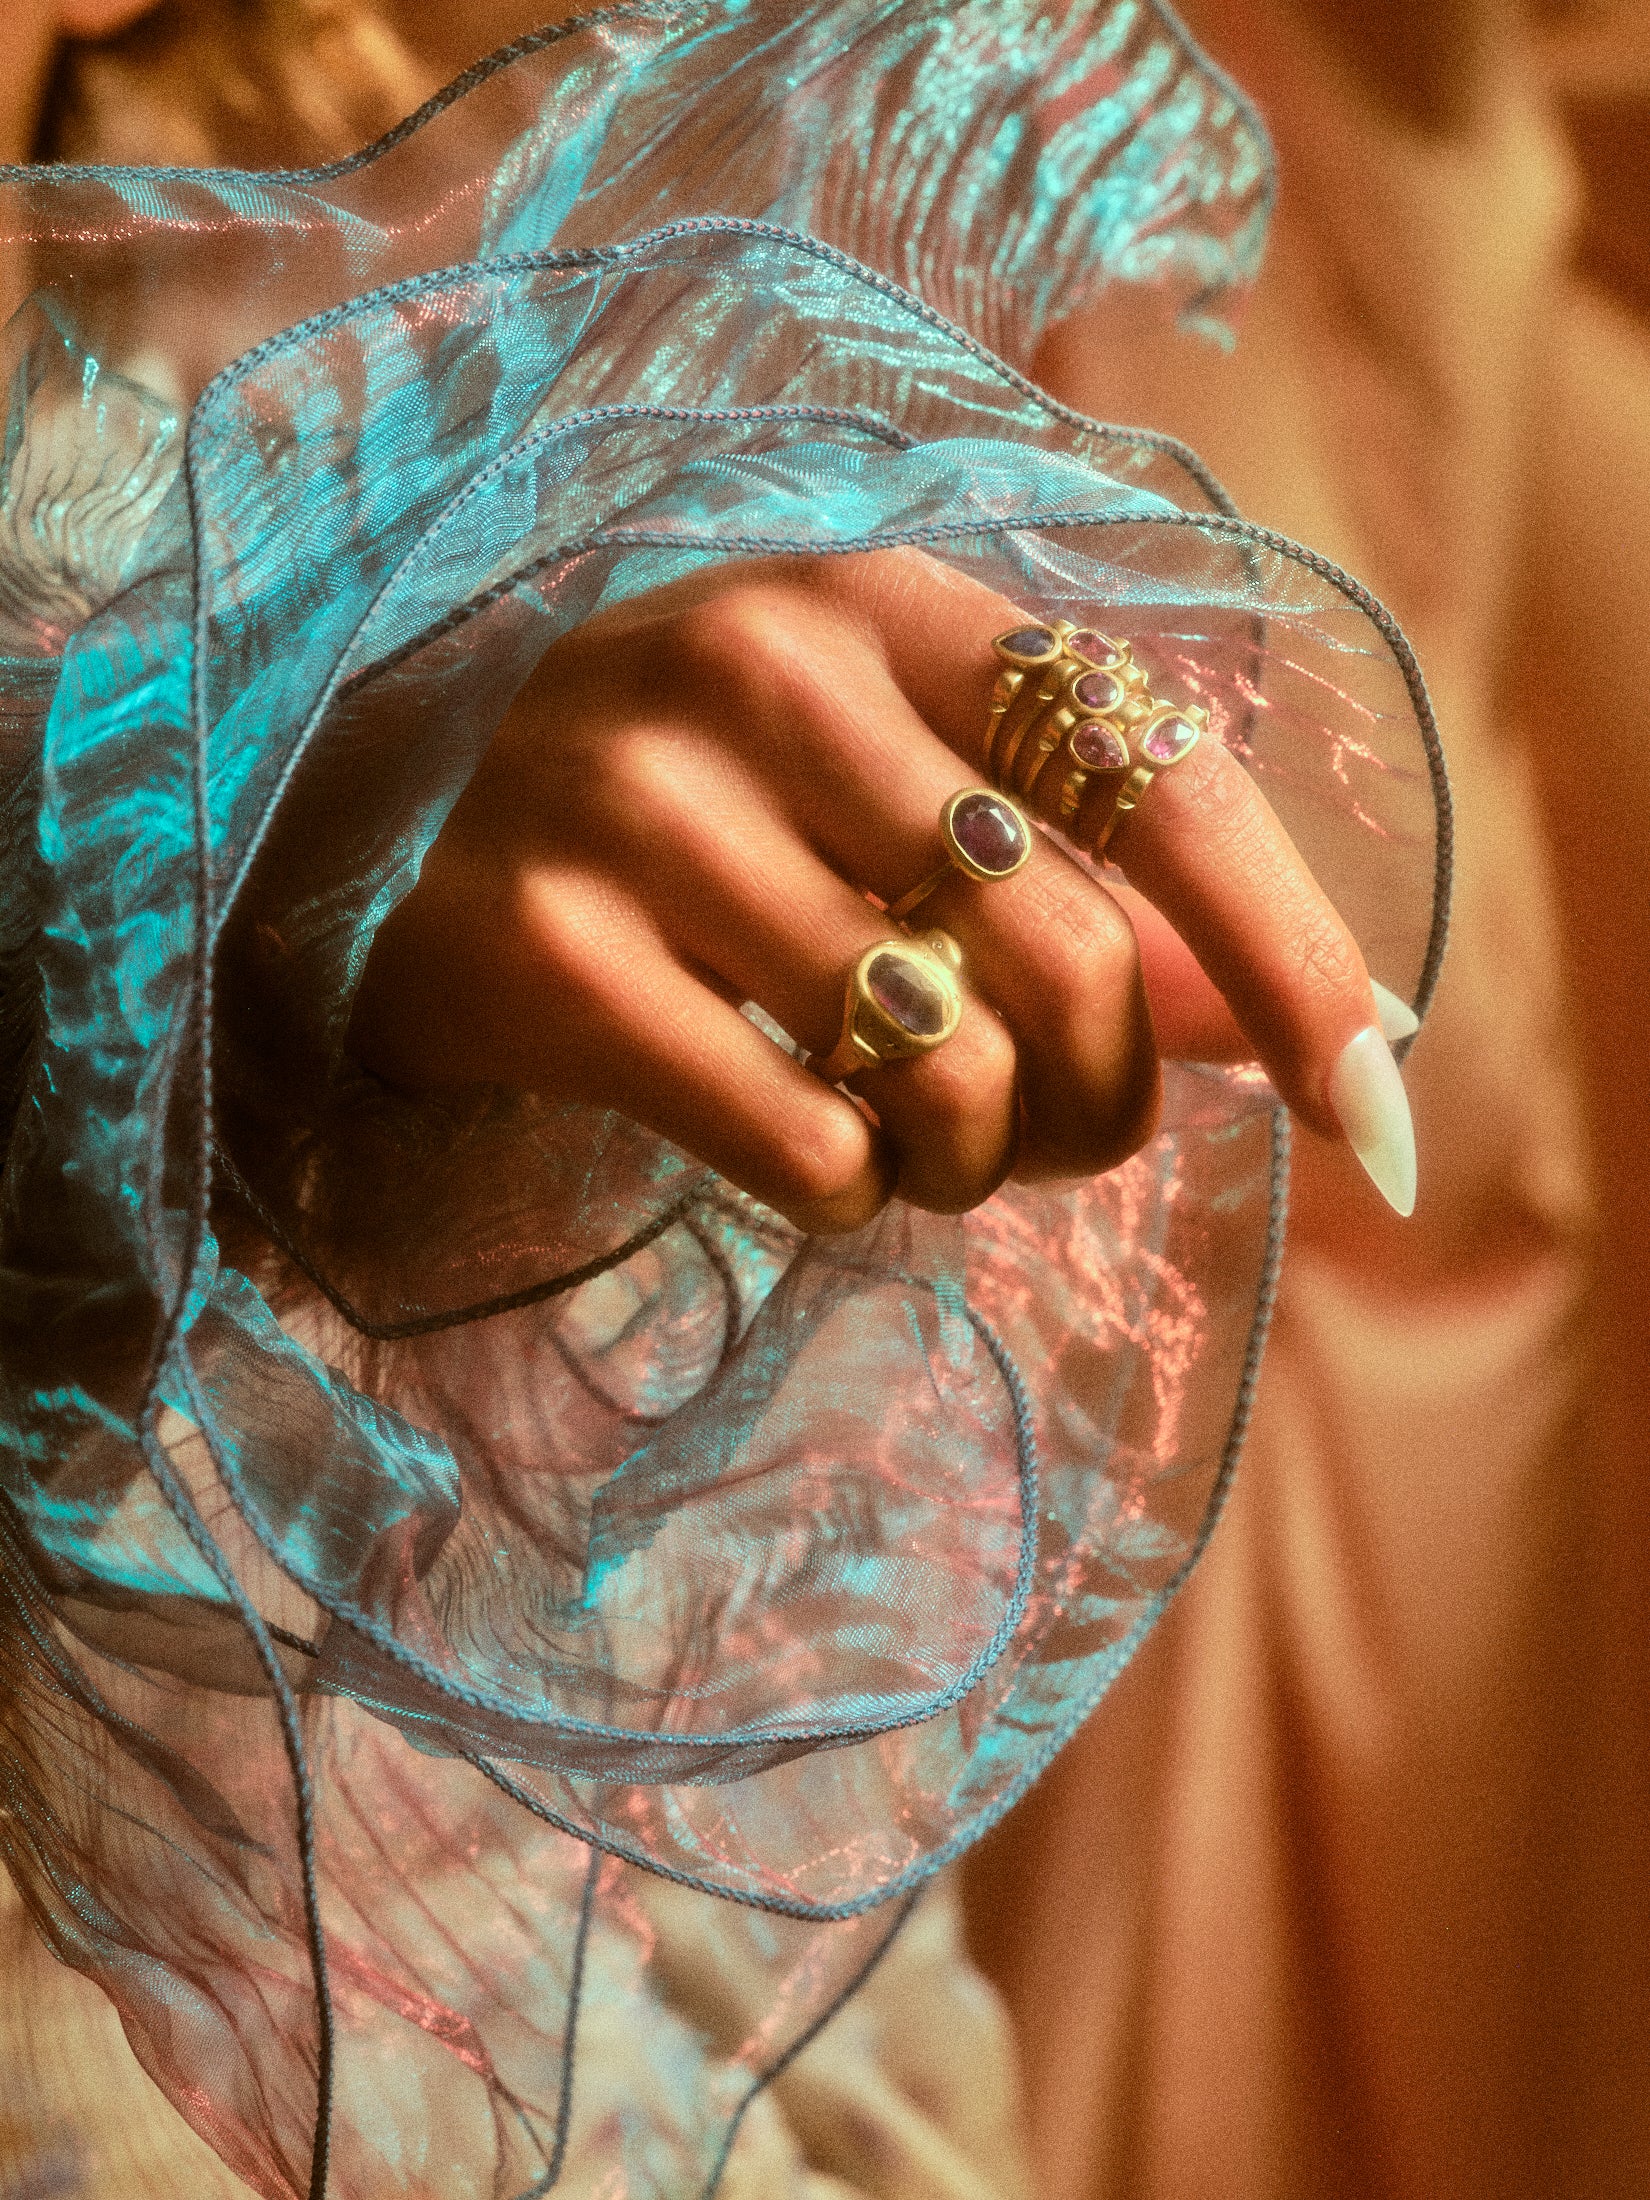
(1075, 692)
(901, 998)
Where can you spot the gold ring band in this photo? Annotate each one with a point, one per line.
(1075, 693)
(1051, 675)
(1167, 739)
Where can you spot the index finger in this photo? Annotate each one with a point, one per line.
(1208, 850)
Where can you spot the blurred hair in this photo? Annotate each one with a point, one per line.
(247, 83)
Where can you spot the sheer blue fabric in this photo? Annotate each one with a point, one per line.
(445, 1545)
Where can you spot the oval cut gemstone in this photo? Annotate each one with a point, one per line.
(1169, 739)
(989, 833)
(1098, 691)
(912, 996)
(1028, 641)
(1098, 648)
(1097, 748)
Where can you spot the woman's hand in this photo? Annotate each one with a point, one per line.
(686, 808)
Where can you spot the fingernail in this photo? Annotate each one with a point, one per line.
(1395, 1017)
(1368, 1097)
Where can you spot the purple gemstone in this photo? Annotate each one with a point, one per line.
(1028, 641)
(1168, 739)
(989, 833)
(1097, 748)
(1098, 648)
(1098, 691)
(903, 990)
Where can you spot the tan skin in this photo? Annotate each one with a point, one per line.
(687, 807)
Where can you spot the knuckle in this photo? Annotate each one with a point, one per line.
(1095, 1100)
(825, 1161)
(1331, 959)
(730, 636)
(965, 1083)
(1130, 1122)
(746, 661)
(567, 928)
(957, 1141)
(641, 772)
(1097, 968)
(1087, 974)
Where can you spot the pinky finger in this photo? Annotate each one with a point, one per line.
(579, 996)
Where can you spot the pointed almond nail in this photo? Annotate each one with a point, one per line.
(1368, 1097)
(1395, 1017)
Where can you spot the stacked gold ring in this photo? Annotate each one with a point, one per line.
(1076, 693)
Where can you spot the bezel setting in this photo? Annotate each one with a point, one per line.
(1017, 648)
(976, 798)
(877, 1031)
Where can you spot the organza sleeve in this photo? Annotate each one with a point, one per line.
(443, 1543)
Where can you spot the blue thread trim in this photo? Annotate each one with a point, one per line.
(570, 2032)
(806, 2038)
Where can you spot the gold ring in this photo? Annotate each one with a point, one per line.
(901, 998)
(986, 837)
(1093, 701)
(1025, 655)
(1160, 741)
(1043, 668)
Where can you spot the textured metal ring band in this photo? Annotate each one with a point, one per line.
(1159, 742)
(901, 998)
(986, 837)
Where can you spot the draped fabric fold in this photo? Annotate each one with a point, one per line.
(444, 1544)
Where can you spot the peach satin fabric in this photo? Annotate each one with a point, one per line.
(1345, 1892)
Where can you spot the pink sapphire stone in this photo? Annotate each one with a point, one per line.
(1168, 740)
(1095, 647)
(1098, 691)
(1097, 748)
(903, 990)
(1028, 641)
(989, 833)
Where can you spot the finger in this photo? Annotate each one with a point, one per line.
(738, 891)
(1207, 849)
(1191, 1020)
(571, 989)
(1210, 852)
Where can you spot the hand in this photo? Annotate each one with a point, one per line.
(685, 810)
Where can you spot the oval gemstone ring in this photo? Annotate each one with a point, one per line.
(986, 837)
(901, 998)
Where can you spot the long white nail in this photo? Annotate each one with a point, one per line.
(1368, 1096)
(1395, 1017)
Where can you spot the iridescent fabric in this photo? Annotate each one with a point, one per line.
(448, 1545)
